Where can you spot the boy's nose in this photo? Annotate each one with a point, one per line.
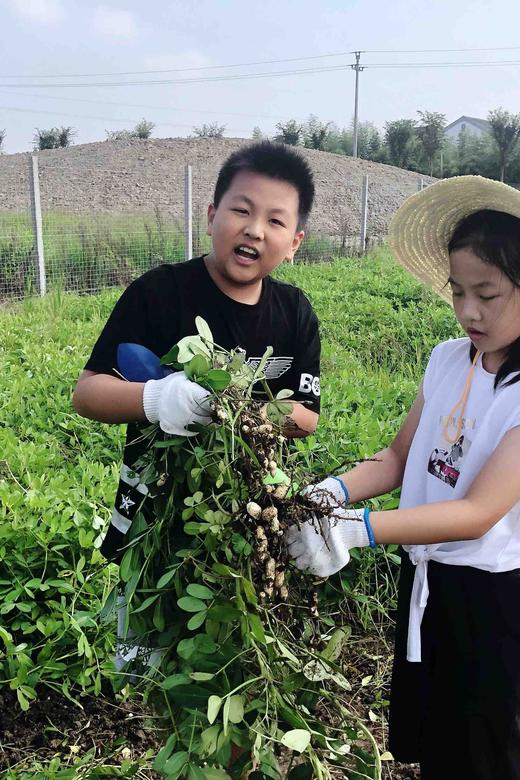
(253, 230)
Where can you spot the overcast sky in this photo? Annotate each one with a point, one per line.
(76, 42)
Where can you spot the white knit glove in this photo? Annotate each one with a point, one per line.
(330, 492)
(175, 402)
(321, 547)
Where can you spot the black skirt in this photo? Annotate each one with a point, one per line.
(457, 713)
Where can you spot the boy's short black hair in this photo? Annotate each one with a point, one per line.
(275, 160)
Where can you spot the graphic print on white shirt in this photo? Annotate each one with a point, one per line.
(446, 460)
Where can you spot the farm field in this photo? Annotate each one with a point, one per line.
(59, 716)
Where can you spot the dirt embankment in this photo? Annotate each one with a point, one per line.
(148, 176)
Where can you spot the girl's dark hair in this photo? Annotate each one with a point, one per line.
(276, 161)
(494, 237)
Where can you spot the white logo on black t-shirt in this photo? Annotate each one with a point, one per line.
(309, 384)
(275, 366)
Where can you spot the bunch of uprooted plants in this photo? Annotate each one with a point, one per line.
(246, 672)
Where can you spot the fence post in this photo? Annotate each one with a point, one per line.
(36, 212)
(188, 213)
(364, 214)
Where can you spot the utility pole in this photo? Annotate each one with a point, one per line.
(357, 67)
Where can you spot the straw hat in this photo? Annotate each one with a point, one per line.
(422, 227)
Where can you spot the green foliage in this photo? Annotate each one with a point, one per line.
(289, 132)
(430, 132)
(86, 252)
(211, 130)
(505, 131)
(316, 133)
(55, 138)
(398, 138)
(53, 500)
(142, 130)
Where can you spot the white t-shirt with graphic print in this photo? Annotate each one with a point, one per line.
(440, 470)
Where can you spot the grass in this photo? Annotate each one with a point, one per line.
(90, 252)
(58, 472)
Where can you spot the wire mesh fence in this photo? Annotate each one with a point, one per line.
(61, 227)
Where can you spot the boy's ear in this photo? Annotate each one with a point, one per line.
(298, 238)
(211, 217)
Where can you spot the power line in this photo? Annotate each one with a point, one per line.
(461, 64)
(199, 68)
(137, 105)
(176, 70)
(432, 51)
(201, 80)
(272, 74)
(90, 116)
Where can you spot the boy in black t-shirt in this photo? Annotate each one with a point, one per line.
(263, 196)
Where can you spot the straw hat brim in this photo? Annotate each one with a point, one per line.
(422, 227)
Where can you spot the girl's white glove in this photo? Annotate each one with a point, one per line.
(175, 402)
(330, 492)
(321, 547)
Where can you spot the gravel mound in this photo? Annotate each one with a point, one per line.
(148, 177)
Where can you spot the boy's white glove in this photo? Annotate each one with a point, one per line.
(175, 402)
(321, 547)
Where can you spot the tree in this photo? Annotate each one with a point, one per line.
(257, 134)
(399, 137)
(2, 138)
(475, 154)
(430, 133)
(55, 138)
(212, 130)
(143, 129)
(369, 141)
(316, 133)
(505, 131)
(120, 135)
(289, 132)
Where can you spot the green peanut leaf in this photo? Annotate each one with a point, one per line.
(296, 739)
(236, 708)
(190, 604)
(197, 620)
(204, 330)
(200, 591)
(174, 680)
(214, 705)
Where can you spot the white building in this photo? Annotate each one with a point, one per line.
(470, 124)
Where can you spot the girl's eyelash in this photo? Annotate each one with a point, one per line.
(482, 297)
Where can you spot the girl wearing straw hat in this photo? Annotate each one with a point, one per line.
(456, 681)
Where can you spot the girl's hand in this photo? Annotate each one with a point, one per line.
(322, 546)
(330, 492)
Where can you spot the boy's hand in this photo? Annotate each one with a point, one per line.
(321, 547)
(175, 402)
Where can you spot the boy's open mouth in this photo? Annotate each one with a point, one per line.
(247, 253)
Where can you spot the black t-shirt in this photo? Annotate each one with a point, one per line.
(160, 308)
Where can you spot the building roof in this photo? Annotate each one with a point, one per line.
(482, 124)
